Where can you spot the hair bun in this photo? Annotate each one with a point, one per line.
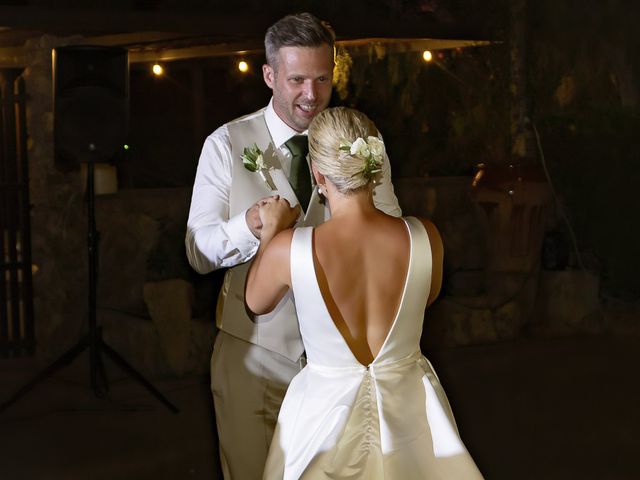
(344, 146)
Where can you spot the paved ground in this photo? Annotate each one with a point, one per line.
(531, 409)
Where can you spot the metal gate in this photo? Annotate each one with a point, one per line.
(16, 299)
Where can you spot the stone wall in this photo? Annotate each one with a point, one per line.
(492, 292)
(58, 225)
(140, 240)
(155, 309)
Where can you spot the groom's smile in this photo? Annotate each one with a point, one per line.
(308, 111)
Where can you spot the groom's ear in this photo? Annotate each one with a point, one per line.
(269, 75)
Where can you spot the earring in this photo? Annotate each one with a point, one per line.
(320, 190)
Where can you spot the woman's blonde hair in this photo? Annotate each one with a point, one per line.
(328, 131)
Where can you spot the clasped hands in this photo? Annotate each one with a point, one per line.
(271, 215)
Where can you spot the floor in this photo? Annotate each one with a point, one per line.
(563, 408)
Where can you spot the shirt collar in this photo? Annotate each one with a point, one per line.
(280, 131)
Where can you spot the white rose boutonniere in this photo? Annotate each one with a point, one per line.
(253, 161)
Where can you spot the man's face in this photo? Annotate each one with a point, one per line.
(301, 84)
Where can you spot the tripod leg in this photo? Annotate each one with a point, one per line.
(65, 359)
(99, 381)
(122, 363)
(102, 382)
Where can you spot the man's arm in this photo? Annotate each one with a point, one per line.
(214, 240)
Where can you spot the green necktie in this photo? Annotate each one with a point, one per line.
(300, 178)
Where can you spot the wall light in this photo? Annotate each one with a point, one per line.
(427, 56)
(157, 69)
(243, 66)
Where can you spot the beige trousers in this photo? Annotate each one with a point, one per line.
(248, 384)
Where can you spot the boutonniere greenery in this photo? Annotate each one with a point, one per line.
(253, 160)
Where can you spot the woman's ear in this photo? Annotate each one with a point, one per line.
(320, 180)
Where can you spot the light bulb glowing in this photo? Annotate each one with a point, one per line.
(157, 69)
(427, 56)
(243, 66)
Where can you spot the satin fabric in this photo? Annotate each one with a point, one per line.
(343, 420)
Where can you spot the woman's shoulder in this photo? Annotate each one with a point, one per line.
(283, 237)
(432, 232)
(428, 225)
(280, 246)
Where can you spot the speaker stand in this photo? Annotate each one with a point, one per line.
(92, 340)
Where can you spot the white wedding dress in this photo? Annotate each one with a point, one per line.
(343, 420)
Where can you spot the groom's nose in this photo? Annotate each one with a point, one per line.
(310, 90)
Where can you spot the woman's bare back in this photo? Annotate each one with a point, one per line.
(361, 263)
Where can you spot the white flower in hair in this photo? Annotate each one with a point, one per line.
(360, 148)
(376, 146)
(370, 151)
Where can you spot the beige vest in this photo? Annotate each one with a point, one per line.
(277, 331)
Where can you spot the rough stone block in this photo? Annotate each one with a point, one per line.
(567, 302)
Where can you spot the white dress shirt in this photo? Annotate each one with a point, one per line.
(213, 239)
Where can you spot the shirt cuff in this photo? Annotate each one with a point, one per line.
(238, 230)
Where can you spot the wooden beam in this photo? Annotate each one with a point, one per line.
(16, 57)
(356, 46)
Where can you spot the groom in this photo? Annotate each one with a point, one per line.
(254, 359)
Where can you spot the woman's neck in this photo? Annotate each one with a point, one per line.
(357, 203)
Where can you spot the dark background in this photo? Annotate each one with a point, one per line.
(556, 404)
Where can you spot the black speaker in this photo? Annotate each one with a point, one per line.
(91, 103)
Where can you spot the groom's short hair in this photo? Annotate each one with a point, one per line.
(299, 30)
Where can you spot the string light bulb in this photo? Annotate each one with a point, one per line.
(157, 69)
(243, 66)
(427, 56)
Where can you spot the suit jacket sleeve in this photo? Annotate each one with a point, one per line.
(213, 240)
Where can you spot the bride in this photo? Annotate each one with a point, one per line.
(368, 405)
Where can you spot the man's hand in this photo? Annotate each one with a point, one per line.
(276, 215)
(252, 216)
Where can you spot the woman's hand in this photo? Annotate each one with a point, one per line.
(276, 215)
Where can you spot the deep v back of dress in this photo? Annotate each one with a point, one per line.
(363, 282)
(386, 420)
(324, 344)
